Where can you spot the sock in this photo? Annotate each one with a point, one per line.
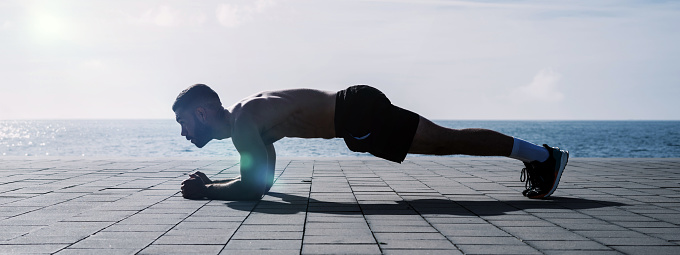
(527, 152)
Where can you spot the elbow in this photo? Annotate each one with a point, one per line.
(254, 193)
(254, 188)
(254, 196)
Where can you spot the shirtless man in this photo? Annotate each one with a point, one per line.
(361, 115)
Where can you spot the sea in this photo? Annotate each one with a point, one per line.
(161, 138)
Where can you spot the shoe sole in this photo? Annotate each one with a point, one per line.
(563, 163)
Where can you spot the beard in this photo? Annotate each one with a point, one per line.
(202, 134)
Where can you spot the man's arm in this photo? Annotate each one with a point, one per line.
(271, 165)
(254, 166)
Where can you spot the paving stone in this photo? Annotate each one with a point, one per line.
(340, 249)
(30, 248)
(420, 252)
(543, 233)
(409, 236)
(669, 250)
(486, 240)
(340, 231)
(581, 252)
(71, 229)
(120, 243)
(531, 223)
(417, 244)
(407, 228)
(644, 224)
(339, 239)
(37, 240)
(263, 245)
(193, 240)
(181, 249)
(264, 235)
(610, 234)
(344, 225)
(261, 252)
(471, 230)
(71, 251)
(497, 249)
(644, 241)
(567, 245)
(272, 227)
(138, 228)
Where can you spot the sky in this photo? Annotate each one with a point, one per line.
(473, 60)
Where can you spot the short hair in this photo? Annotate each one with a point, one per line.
(197, 95)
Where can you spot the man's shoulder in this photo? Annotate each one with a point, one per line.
(244, 129)
(253, 113)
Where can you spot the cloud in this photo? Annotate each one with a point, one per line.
(167, 16)
(6, 25)
(543, 88)
(233, 15)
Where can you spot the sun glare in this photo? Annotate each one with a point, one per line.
(48, 26)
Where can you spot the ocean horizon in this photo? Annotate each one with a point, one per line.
(161, 138)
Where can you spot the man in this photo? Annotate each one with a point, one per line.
(361, 115)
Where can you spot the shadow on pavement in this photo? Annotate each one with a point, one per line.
(292, 204)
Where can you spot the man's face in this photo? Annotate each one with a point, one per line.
(194, 131)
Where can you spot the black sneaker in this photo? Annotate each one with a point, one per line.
(541, 178)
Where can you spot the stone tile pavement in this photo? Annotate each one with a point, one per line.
(427, 205)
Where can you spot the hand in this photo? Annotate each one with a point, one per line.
(202, 176)
(193, 188)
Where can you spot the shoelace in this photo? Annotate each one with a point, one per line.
(525, 177)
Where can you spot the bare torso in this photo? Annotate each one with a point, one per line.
(304, 113)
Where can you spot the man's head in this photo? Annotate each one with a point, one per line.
(197, 109)
(196, 95)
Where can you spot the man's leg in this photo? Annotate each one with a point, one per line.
(544, 165)
(433, 139)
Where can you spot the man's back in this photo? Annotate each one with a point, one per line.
(305, 113)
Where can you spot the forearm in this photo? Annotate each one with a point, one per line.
(235, 190)
(226, 180)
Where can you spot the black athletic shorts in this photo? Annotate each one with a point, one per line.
(368, 122)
